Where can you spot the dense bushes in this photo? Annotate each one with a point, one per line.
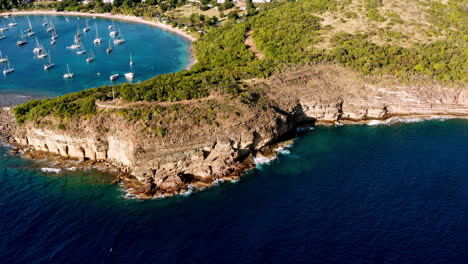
(441, 60)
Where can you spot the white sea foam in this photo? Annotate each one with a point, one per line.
(72, 169)
(51, 170)
(262, 160)
(396, 120)
(284, 150)
(376, 123)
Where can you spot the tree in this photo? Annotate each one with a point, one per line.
(233, 15)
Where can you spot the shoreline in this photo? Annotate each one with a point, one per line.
(128, 18)
(134, 189)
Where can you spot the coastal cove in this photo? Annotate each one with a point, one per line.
(154, 50)
(397, 191)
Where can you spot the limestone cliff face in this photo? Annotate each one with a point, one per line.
(197, 153)
(331, 93)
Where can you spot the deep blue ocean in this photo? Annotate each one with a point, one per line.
(350, 194)
(154, 52)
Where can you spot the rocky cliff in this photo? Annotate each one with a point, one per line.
(169, 148)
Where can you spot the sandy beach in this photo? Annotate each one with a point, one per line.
(108, 16)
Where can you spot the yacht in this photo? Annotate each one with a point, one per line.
(50, 28)
(83, 51)
(8, 69)
(90, 57)
(68, 74)
(30, 29)
(109, 49)
(13, 22)
(4, 26)
(76, 45)
(2, 60)
(86, 29)
(67, 19)
(114, 77)
(120, 39)
(44, 21)
(78, 33)
(38, 47)
(52, 42)
(97, 40)
(129, 75)
(131, 60)
(113, 33)
(22, 40)
(42, 54)
(54, 34)
(50, 64)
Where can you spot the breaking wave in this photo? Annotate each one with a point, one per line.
(51, 170)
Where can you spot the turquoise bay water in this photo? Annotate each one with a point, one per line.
(154, 52)
(351, 194)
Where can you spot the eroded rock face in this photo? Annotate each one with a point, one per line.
(331, 93)
(198, 154)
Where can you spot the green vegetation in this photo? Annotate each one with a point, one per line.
(287, 33)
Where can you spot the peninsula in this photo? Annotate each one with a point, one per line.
(259, 76)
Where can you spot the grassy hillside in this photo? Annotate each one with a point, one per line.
(371, 36)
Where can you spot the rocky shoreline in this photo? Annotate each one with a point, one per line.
(195, 154)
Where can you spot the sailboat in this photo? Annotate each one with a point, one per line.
(67, 19)
(86, 29)
(30, 29)
(22, 40)
(111, 26)
(119, 40)
(42, 53)
(78, 33)
(13, 22)
(1, 35)
(113, 33)
(4, 26)
(97, 40)
(109, 49)
(8, 69)
(54, 34)
(131, 60)
(114, 77)
(51, 27)
(38, 47)
(50, 64)
(76, 45)
(90, 57)
(44, 21)
(83, 51)
(68, 74)
(2, 60)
